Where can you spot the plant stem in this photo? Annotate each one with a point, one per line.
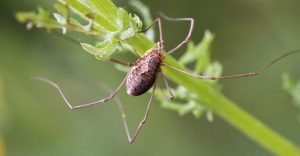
(223, 107)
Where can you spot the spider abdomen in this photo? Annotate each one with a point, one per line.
(143, 74)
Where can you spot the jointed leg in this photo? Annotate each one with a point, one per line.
(132, 138)
(158, 20)
(82, 105)
(121, 62)
(189, 33)
(260, 70)
(171, 96)
(213, 78)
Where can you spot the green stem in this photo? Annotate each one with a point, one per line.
(223, 107)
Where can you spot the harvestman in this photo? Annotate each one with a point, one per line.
(145, 70)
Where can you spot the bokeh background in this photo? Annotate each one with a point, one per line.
(34, 121)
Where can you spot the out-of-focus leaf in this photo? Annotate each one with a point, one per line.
(186, 101)
(144, 11)
(103, 49)
(209, 116)
(60, 19)
(292, 87)
(105, 8)
(61, 9)
(112, 25)
(41, 19)
(198, 54)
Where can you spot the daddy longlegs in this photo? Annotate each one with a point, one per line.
(146, 69)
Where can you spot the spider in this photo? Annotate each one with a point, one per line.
(144, 73)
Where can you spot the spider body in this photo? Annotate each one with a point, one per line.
(144, 72)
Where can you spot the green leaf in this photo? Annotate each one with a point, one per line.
(288, 83)
(292, 87)
(105, 8)
(41, 19)
(61, 9)
(103, 19)
(210, 116)
(144, 11)
(189, 56)
(60, 19)
(198, 53)
(103, 49)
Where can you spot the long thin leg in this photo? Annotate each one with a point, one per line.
(171, 96)
(188, 35)
(260, 70)
(121, 62)
(158, 20)
(81, 105)
(123, 114)
(132, 138)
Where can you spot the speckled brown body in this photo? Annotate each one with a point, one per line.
(144, 72)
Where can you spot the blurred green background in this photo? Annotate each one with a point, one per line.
(35, 121)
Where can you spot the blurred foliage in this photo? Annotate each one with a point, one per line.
(145, 13)
(293, 88)
(113, 25)
(189, 102)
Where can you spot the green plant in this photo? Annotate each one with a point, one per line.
(118, 29)
(293, 88)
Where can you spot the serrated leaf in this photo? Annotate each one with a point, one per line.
(293, 88)
(189, 55)
(41, 19)
(127, 33)
(145, 13)
(190, 102)
(103, 49)
(199, 53)
(106, 9)
(128, 24)
(44, 17)
(61, 9)
(25, 17)
(287, 82)
(136, 22)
